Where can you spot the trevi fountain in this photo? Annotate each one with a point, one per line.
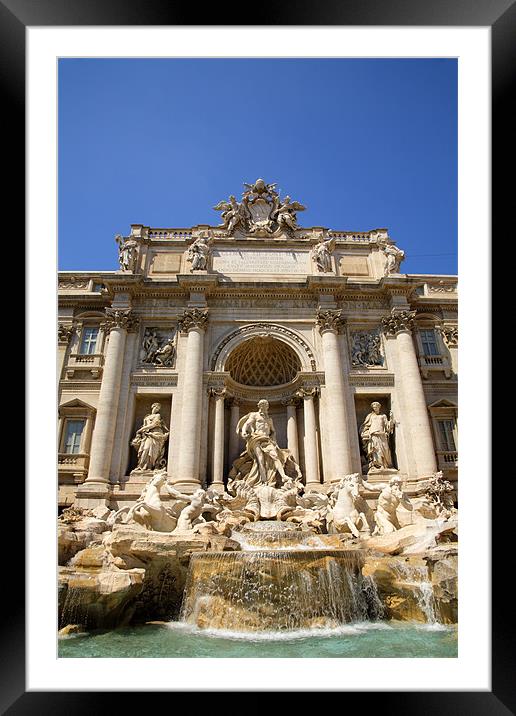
(257, 444)
(266, 567)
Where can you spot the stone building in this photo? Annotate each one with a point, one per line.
(208, 320)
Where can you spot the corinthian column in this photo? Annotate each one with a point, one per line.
(234, 439)
(194, 323)
(292, 435)
(330, 323)
(64, 333)
(399, 324)
(117, 325)
(218, 439)
(310, 438)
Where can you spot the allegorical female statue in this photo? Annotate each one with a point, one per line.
(150, 440)
(127, 252)
(321, 254)
(199, 252)
(263, 460)
(374, 433)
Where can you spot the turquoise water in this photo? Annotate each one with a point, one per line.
(364, 639)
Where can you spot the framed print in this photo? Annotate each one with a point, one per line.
(155, 380)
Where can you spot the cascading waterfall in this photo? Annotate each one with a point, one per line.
(285, 587)
(417, 577)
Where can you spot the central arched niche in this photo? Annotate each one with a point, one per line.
(263, 361)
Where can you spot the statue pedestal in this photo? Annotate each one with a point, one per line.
(92, 494)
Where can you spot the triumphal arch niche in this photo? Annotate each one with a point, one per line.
(161, 359)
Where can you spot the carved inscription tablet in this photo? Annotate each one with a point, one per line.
(245, 261)
(354, 266)
(166, 263)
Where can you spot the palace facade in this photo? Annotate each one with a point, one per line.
(201, 323)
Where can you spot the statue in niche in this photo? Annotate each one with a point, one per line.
(391, 496)
(199, 252)
(321, 254)
(127, 252)
(365, 349)
(150, 441)
(394, 256)
(263, 460)
(374, 433)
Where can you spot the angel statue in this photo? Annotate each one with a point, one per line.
(285, 215)
(321, 254)
(262, 460)
(233, 214)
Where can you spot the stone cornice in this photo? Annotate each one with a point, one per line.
(275, 393)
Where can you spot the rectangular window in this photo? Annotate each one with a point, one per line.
(446, 437)
(429, 342)
(72, 437)
(89, 340)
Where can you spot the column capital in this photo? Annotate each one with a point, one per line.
(398, 321)
(308, 392)
(218, 391)
(450, 335)
(193, 318)
(330, 320)
(292, 400)
(116, 318)
(65, 332)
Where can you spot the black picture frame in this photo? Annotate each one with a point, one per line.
(500, 16)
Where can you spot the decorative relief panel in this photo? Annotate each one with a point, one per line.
(74, 282)
(158, 347)
(366, 349)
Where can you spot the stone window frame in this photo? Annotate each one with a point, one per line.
(90, 319)
(76, 410)
(429, 323)
(63, 447)
(444, 410)
(427, 363)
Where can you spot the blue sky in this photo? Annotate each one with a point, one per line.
(362, 143)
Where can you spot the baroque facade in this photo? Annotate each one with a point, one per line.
(159, 360)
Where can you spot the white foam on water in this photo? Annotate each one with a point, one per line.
(354, 628)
